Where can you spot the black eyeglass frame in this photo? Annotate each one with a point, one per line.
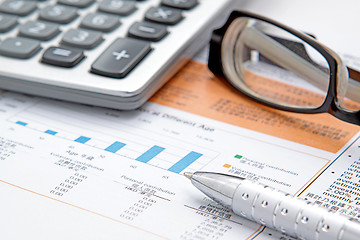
(215, 64)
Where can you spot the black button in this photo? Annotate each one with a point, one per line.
(120, 57)
(181, 4)
(147, 31)
(62, 57)
(164, 15)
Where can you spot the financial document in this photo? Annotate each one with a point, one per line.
(70, 171)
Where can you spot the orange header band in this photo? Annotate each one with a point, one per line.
(195, 90)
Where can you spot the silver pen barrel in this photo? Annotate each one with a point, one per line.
(219, 187)
(275, 209)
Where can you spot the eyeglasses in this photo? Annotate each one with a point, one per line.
(283, 68)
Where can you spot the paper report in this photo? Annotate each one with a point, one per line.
(70, 171)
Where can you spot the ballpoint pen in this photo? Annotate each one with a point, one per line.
(275, 209)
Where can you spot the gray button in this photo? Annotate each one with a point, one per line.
(18, 47)
(147, 31)
(165, 15)
(82, 38)
(7, 22)
(181, 4)
(77, 3)
(120, 7)
(58, 13)
(18, 7)
(39, 30)
(100, 21)
(62, 57)
(120, 57)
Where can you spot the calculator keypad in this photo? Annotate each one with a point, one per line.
(164, 35)
(89, 31)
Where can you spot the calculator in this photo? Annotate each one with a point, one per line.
(109, 53)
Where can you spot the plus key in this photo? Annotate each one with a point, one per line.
(120, 57)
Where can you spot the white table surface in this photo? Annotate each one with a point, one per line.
(335, 23)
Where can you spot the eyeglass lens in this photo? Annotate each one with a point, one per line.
(276, 66)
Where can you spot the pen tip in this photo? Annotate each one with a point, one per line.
(188, 175)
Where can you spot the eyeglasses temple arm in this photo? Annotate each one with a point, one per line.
(353, 90)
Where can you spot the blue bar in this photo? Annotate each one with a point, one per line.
(21, 123)
(82, 139)
(115, 147)
(51, 132)
(185, 162)
(150, 154)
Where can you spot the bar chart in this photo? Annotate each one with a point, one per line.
(167, 153)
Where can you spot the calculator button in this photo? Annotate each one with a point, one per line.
(7, 22)
(39, 30)
(18, 7)
(18, 47)
(181, 4)
(100, 22)
(120, 57)
(58, 14)
(164, 15)
(120, 7)
(147, 31)
(77, 3)
(82, 38)
(62, 57)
